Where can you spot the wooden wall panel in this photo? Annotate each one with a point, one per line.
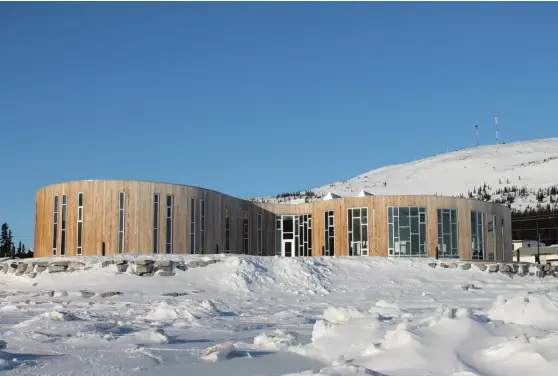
(101, 210)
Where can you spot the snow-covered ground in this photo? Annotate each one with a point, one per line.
(248, 316)
(532, 165)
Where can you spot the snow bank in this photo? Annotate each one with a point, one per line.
(531, 309)
(278, 339)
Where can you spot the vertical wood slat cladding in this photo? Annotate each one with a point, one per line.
(101, 219)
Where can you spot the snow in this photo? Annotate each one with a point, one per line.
(273, 316)
(529, 164)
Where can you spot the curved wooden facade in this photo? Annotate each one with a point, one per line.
(122, 216)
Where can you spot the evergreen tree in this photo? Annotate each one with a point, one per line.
(19, 251)
(6, 241)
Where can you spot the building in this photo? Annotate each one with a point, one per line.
(548, 255)
(526, 244)
(97, 217)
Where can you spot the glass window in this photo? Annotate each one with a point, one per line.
(155, 223)
(63, 227)
(121, 209)
(55, 227)
(477, 235)
(79, 247)
(169, 225)
(227, 229)
(357, 231)
(407, 231)
(447, 233)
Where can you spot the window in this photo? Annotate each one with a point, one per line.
(357, 231)
(490, 237)
(193, 226)
(477, 235)
(227, 229)
(169, 214)
(202, 226)
(55, 227)
(447, 233)
(121, 206)
(63, 228)
(278, 234)
(329, 233)
(245, 228)
(79, 249)
(303, 237)
(503, 243)
(407, 231)
(155, 223)
(260, 236)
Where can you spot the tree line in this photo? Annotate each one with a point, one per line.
(8, 247)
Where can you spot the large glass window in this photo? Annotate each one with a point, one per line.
(278, 234)
(490, 237)
(79, 248)
(260, 235)
(303, 237)
(245, 237)
(169, 223)
(447, 233)
(55, 227)
(193, 226)
(357, 231)
(63, 228)
(227, 229)
(329, 233)
(155, 223)
(121, 206)
(477, 235)
(407, 231)
(202, 226)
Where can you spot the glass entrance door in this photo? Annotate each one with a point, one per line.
(287, 248)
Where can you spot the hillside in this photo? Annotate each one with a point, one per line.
(520, 175)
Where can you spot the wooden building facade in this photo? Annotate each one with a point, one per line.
(96, 217)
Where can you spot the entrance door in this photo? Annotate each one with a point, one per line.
(287, 248)
(356, 248)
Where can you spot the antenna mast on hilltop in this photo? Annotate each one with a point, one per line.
(477, 133)
(496, 125)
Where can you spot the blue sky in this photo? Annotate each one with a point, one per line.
(260, 98)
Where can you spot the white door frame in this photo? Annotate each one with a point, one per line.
(283, 241)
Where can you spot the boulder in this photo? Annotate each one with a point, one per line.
(444, 265)
(57, 268)
(452, 265)
(182, 267)
(481, 267)
(540, 273)
(196, 264)
(120, 262)
(432, 264)
(515, 268)
(523, 269)
(121, 268)
(465, 266)
(107, 263)
(142, 269)
(108, 294)
(147, 275)
(493, 268)
(144, 262)
(41, 268)
(504, 268)
(31, 275)
(59, 263)
(76, 264)
(12, 267)
(174, 294)
(164, 263)
(166, 274)
(87, 294)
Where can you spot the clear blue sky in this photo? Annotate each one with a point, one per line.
(260, 98)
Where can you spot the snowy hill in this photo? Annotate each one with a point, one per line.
(514, 174)
(275, 316)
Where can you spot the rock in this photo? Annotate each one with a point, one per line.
(147, 275)
(71, 270)
(121, 268)
(539, 266)
(444, 265)
(120, 262)
(465, 266)
(466, 287)
(164, 263)
(540, 273)
(88, 268)
(164, 269)
(59, 263)
(523, 269)
(521, 274)
(196, 264)
(515, 268)
(47, 293)
(76, 264)
(41, 263)
(12, 267)
(546, 267)
(493, 268)
(21, 268)
(57, 268)
(4, 268)
(87, 294)
(105, 264)
(504, 268)
(432, 264)
(453, 265)
(31, 275)
(555, 274)
(61, 293)
(182, 267)
(166, 274)
(142, 269)
(144, 262)
(174, 294)
(482, 267)
(41, 268)
(109, 294)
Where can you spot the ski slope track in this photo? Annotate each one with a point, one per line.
(273, 316)
(529, 164)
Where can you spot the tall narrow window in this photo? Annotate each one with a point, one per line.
(490, 237)
(278, 234)
(227, 229)
(260, 235)
(202, 226)
(303, 237)
(121, 206)
(503, 242)
(447, 233)
(63, 228)
(329, 233)
(407, 231)
(193, 226)
(477, 235)
(169, 212)
(79, 249)
(155, 223)
(245, 228)
(55, 227)
(357, 231)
